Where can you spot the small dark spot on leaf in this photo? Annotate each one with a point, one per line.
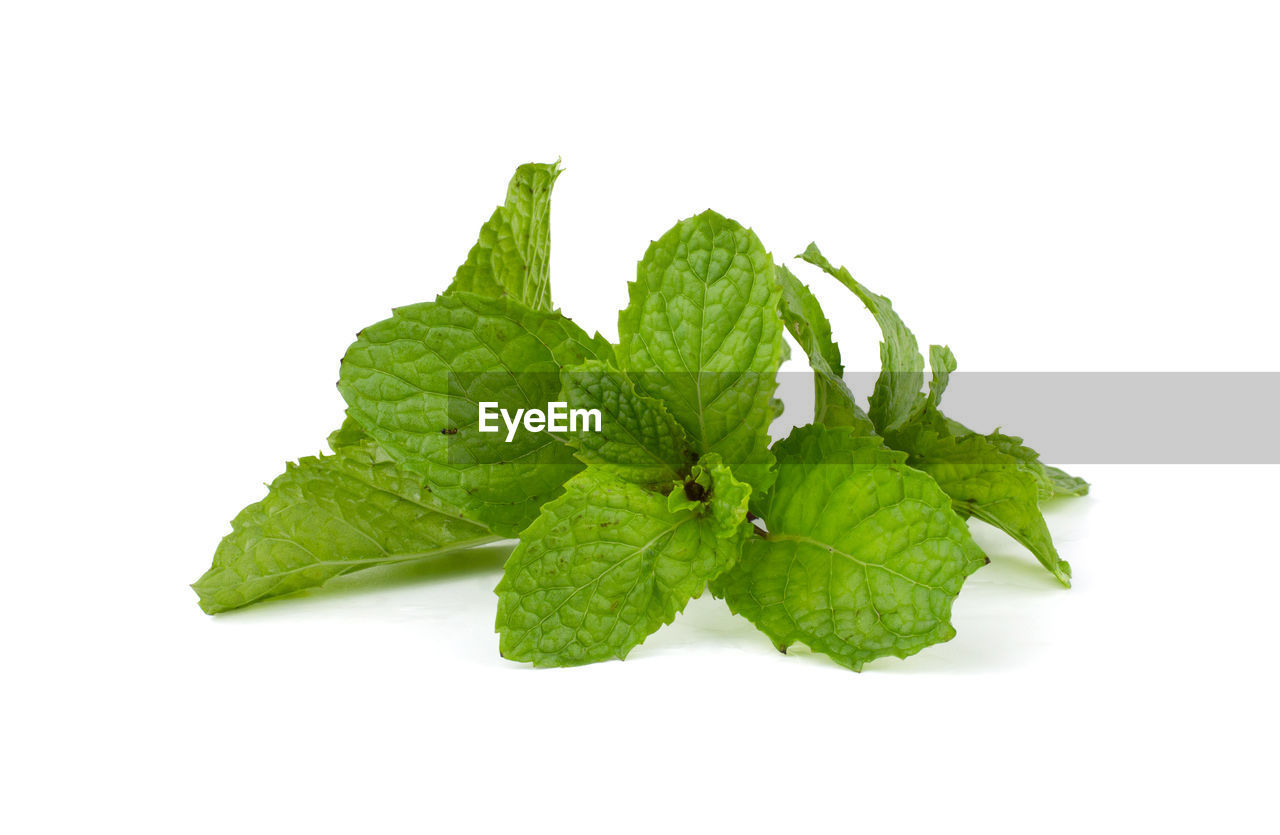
(694, 492)
(449, 430)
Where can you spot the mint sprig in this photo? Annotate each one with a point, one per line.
(848, 537)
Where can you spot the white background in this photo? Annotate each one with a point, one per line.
(200, 204)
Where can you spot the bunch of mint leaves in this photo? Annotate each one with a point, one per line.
(849, 536)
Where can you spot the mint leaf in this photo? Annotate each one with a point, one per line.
(1051, 481)
(511, 259)
(1026, 459)
(941, 363)
(989, 477)
(414, 383)
(325, 517)
(833, 402)
(726, 496)
(638, 440)
(712, 491)
(897, 392)
(1064, 484)
(348, 434)
(701, 333)
(602, 568)
(863, 557)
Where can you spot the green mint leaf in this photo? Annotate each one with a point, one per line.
(702, 334)
(941, 364)
(414, 382)
(1064, 484)
(512, 257)
(325, 517)
(897, 392)
(712, 491)
(638, 440)
(727, 497)
(993, 477)
(602, 568)
(833, 402)
(1050, 480)
(348, 434)
(1026, 459)
(863, 557)
(776, 408)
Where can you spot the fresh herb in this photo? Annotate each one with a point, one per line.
(849, 536)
